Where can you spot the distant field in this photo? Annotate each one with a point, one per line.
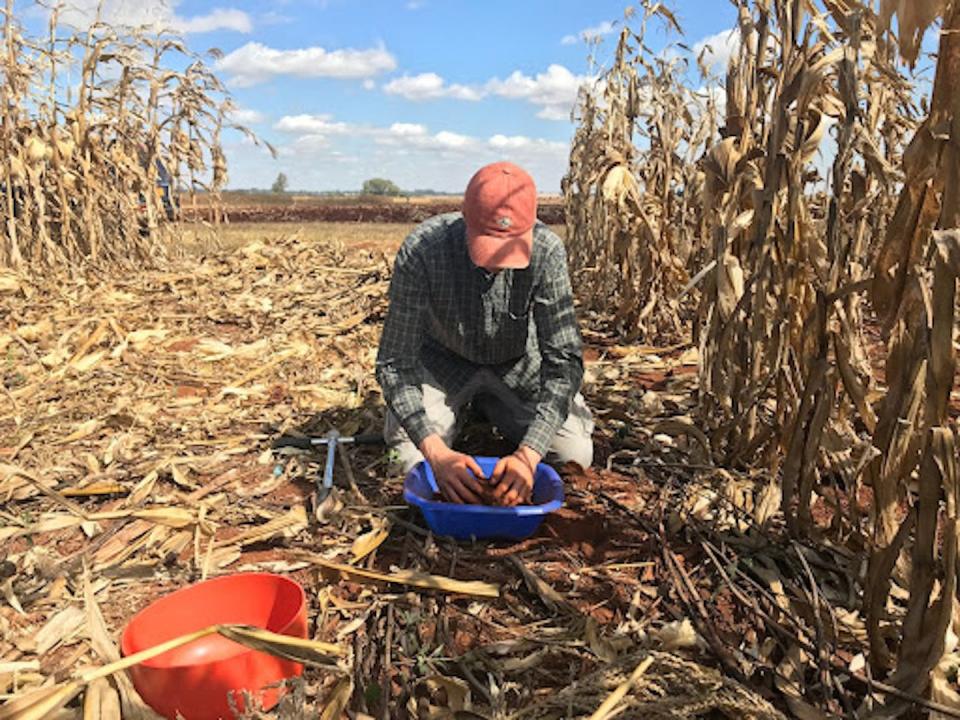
(376, 237)
(291, 207)
(238, 197)
(373, 237)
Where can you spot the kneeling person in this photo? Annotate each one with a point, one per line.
(481, 310)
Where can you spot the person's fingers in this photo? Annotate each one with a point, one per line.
(511, 498)
(500, 491)
(526, 489)
(503, 484)
(476, 483)
(467, 488)
(511, 485)
(451, 496)
(520, 490)
(499, 470)
(468, 479)
(473, 466)
(505, 481)
(449, 491)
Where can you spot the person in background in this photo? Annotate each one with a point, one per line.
(481, 310)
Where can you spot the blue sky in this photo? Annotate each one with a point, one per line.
(419, 91)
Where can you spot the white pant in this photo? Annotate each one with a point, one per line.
(511, 415)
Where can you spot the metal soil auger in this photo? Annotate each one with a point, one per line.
(331, 440)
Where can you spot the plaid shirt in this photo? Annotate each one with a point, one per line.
(452, 319)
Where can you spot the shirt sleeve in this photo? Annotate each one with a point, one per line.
(561, 350)
(399, 369)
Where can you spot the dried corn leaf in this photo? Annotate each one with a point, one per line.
(88, 362)
(370, 541)
(101, 701)
(173, 517)
(407, 577)
(63, 627)
(9, 282)
(40, 704)
(339, 698)
(300, 650)
(84, 430)
(285, 525)
(913, 19)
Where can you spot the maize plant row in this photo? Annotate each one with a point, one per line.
(102, 127)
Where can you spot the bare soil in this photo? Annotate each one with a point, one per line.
(359, 210)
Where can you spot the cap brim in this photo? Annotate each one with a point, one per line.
(501, 253)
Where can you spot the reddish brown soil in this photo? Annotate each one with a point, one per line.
(552, 214)
(583, 533)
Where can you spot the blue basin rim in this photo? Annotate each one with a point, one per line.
(544, 473)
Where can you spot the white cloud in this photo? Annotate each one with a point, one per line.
(555, 90)
(407, 129)
(154, 14)
(502, 142)
(416, 136)
(246, 116)
(521, 143)
(305, 144)
(369, 84)
(256, 63)
(429, 86)
(555, 112)
(450, 140)
(219, 19)
(717, 49)
(590, 34)
(315, 131)
(410, 154)
(311, 125)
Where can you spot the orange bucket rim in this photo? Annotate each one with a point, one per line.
(241, 649)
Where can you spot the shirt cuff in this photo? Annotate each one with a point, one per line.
(417, 427)
(540, 437)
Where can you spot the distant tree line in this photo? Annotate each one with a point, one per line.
(380, 186)
(373, 186)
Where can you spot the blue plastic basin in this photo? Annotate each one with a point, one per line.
(465, 522)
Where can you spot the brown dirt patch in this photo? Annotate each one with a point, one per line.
(586, 534)
(356, 211)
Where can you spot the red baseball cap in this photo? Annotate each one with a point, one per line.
(500, 209)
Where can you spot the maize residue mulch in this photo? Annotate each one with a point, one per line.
(135, 458)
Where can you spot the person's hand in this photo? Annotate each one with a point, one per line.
(513, 477)
(458, 476)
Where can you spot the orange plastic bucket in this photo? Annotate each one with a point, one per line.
(195, 680)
